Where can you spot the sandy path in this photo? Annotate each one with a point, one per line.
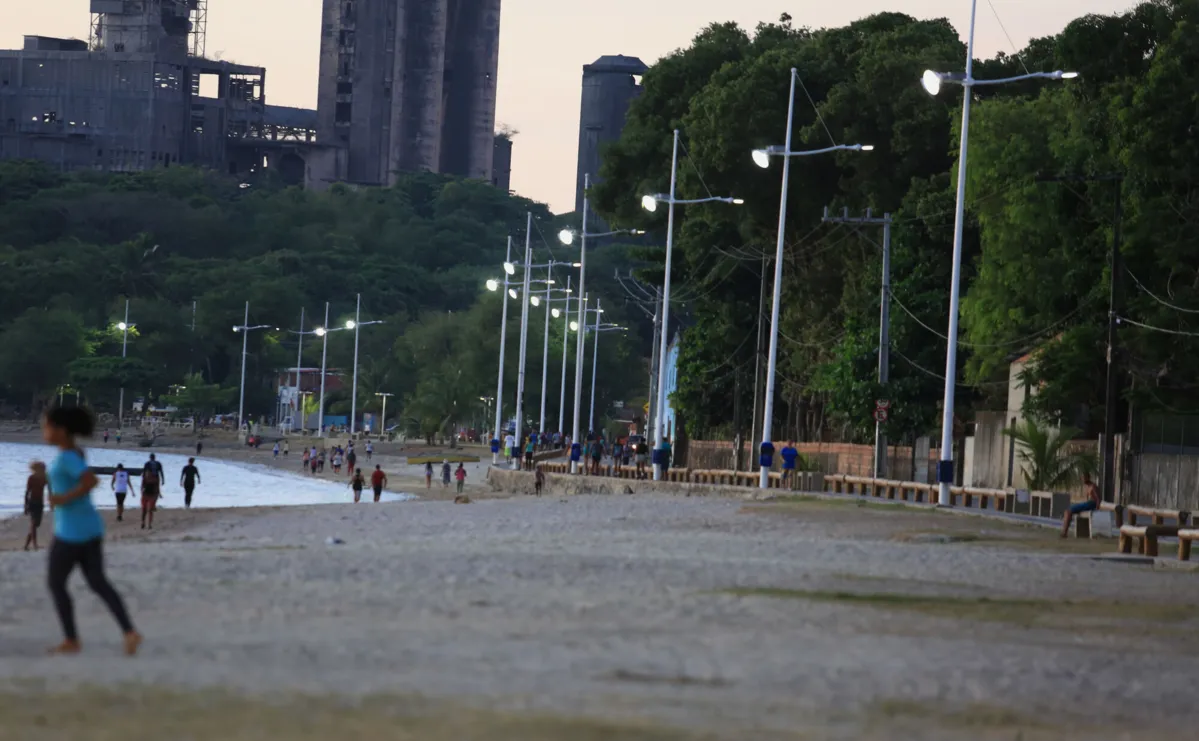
(687, 618)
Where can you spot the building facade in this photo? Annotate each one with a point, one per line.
(610, 85)
(409, 85)
(501, 164)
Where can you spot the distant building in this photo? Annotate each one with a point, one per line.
(409, 86)
(138, 97)
(501, 164)
(610, 85)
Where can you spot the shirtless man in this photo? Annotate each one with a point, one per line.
(151, 490)
(1090, 505)
(35, 501)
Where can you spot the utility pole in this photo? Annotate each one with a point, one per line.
(1111, 391)
(884, 329)
(758, 365)
(653, 366)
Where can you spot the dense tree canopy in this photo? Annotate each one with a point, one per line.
(1037, 240)
(188, 249)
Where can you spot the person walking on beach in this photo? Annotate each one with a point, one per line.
(118, 436)
(106, 436)
(530, 447)
(358, 483)
(378, 481)
(286, 447)
(351, 458)
(370, 450)
(313, 462)
(460, 475)
(304, 460)
(509, 446)
(151, 490)
(276, 451)
(35, 501)
(428, 474)
(153, 466)
(120, 486)
(78, 528)
(539, 481)
(597, 454)
(188, 479)
(445, 474)
(199, 447)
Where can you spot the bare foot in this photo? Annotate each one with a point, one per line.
(132, 641)
(66, 648)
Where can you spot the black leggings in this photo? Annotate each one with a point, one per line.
(90, 558)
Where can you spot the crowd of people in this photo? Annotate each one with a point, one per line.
(593, 451)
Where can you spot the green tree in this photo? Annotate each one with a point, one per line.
(39, 346)
(1049, 464)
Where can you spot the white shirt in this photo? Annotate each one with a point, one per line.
(509, 441)
(121, 479)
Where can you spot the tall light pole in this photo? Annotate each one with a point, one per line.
(299, 361)
(357, 324)
(932, 82)
(323, 333)
(245, 330)
(762, 159)
(650, 203)
(383, 417)
(545, 354)
(494, 285)
(124, 327)
(524, 336)
(598, 329)
(565, 337)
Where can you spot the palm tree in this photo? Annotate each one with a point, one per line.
(1048, 464)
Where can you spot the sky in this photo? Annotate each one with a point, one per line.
(543, 47)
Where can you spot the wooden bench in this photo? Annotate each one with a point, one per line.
(1146, 537)
(1082, 521)
(1185, 537)
(1156, 516)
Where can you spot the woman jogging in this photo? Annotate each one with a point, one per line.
(78, 529)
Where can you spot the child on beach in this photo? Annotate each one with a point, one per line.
(78, 528)
(35, 501)
(460, 475)
(358, 483)
(336, 462)
(429, 474)
(276, 451)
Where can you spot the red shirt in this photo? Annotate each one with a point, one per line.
(377, 478)
(460, 474)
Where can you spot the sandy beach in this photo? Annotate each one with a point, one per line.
(606, 617)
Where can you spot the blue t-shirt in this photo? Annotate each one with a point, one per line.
(77, 521)
(789, 455)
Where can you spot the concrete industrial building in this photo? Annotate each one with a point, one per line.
(136, 97)
(501, 164)
(409, 85)
(610, 85)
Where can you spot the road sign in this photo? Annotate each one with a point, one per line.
(880, 415)
(882, 404)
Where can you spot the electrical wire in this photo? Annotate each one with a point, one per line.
(1157, 298)
(994, 345)
(1180, 333)
(1009, 38)
(940, 377)
(815, 109)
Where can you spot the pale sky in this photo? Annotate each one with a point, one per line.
(544, 45)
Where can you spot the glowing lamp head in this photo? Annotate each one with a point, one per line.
(535, 300)
(761, 158)
(493, 285)
(738, 201)
(509, 268)
(320, 331)
(556, 313)
(122, 326)
(931, 82)
(574, 326)
(512, 292)
(649, 203)
(350, 324)
(867, 147)
(1069, 75)
(566, 236)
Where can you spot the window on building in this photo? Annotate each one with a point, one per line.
(345, 88)
(344, 113)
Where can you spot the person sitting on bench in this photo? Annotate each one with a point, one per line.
(1090, 505)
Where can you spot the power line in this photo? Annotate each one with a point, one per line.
(1009, 343)
(1156, 298)
(940, 377)
(814, 107)
(1009, 38)
(1126, 320)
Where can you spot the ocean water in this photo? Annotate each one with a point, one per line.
(223, 483)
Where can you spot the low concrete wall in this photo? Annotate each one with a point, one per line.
(521, 482)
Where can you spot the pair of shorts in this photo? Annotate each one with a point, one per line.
(150, 501)
(378, 491)
(35, 517)
(1087, 506)
(642, 459)
(121, 497)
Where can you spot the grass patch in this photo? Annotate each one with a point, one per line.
(137, 714)
(1021, 612)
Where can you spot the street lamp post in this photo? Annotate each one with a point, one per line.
(524, 336)
(383, 416)
(356, 325)
(565, 336)
(245, 330)
(567, 237)
(650, 203)
(124, 327)
(545, 354)
(494, 285)
(932, 82)
(323, 333)
(762, 159)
